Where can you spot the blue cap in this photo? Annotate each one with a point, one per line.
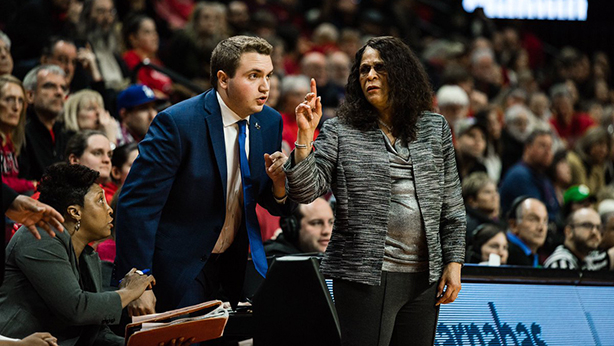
(135, 95)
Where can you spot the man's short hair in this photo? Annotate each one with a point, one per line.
(536, 133)
(53, 41)
(514, 112)
(294, 83)
(570, 220)
(6, 39)
(473, 183)
(31, 80)
(227, 54)
(452, 95)
(515, 212)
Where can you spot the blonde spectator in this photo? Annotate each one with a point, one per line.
(84, 110)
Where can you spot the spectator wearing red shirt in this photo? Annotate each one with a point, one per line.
(141, 38)
(569, 124)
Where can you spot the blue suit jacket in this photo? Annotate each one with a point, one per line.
(172, 206)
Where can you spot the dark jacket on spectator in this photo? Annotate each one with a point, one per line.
(517, 255)
(40, 149)
(280, 247)
(511, 152)
(475, 218)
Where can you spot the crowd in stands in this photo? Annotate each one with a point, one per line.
(81, 80)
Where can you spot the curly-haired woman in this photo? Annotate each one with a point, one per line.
(399, 239)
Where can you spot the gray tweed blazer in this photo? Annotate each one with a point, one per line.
(355, 165)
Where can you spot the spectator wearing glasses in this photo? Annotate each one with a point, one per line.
(46, 140)
(582, 238)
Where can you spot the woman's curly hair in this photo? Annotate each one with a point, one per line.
(64, 185)
(410, 92)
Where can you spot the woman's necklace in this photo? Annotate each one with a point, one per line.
(388, 127)
(389, 134)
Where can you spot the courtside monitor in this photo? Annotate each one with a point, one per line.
(293, 306)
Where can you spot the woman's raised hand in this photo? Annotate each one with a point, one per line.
(309, 112)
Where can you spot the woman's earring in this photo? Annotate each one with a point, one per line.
(78, 225)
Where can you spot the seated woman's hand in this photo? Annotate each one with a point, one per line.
(38, 339)
(144, 305)
(132, 287)
(137, 281)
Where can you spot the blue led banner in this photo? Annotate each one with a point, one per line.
(524, 315)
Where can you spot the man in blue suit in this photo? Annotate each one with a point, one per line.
(186, 209)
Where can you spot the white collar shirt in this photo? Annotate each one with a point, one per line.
(234, 187)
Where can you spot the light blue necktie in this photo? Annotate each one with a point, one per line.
(249, 208)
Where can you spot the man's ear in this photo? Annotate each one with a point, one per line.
(222, 79)
(512, 224)
(30, 96)
(74, 211)
(568, 231)
(73, 160)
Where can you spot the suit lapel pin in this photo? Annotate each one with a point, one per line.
(257, 126)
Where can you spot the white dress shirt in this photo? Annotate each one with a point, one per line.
(234, 187)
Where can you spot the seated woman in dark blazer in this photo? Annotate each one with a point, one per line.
(54, 284)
